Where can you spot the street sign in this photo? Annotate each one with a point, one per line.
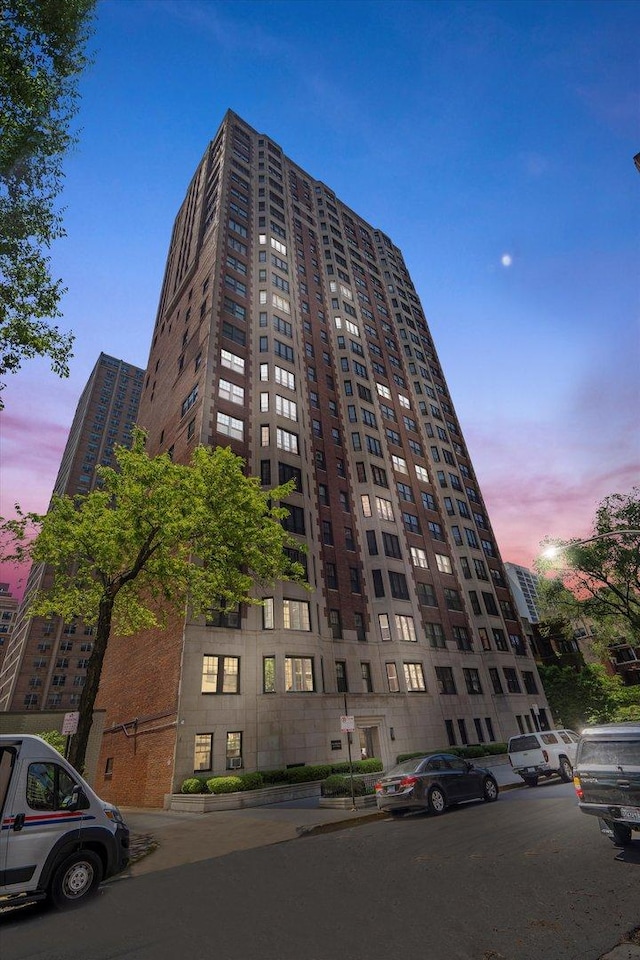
(70, 723)
(347, 724)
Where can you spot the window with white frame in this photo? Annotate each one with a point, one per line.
(383, 391)
(234, 750)
(285, 440)
(267, 614)
(265, 436)
(231, 361)
(392, 678)
(230, 426)
(286, 408)
(422, 474)
(284, 377)
(404, 401)
(280, 303)
(419, 557)
(444, 563)
(414, 677)
(231, 391)
(399, 464)
(384, 508)
(383, 623)
(405, 628)
(295, 615)
(264, 402)
(365, 502)
(279, 246)
(298, 674)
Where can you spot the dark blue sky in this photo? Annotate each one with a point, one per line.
(468, 132)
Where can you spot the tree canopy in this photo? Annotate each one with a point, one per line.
(590, 695)
(42, 45)
(598, 580)
(156, 534)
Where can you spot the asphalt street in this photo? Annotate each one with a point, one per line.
(522, 879)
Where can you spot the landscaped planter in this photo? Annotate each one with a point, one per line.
(206, 802)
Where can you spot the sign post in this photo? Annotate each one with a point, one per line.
(348, 725)
(69, 727)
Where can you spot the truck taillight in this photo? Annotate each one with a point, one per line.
(578, 786)
(546, 756)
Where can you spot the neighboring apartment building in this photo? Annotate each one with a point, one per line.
(45, 662)
(289, 329)
(8, 610)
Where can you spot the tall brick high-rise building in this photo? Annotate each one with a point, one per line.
(45, 663)
(289, 329)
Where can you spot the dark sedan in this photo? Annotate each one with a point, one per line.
(434, 783)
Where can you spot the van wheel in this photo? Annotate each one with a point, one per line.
(75, 878)
(621, 834)
(566, 770)
(531, 781)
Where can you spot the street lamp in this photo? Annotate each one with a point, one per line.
(556, 548)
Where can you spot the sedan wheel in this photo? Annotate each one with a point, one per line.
(489, 790)
(437, 801)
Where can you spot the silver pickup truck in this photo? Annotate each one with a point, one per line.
(606, 776)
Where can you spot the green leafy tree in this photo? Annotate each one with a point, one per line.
(55, 739)
(579, 697)
(154, 536)
(598, 581)
(42, 46)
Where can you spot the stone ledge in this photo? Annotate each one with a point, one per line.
(207, 802)
(346, 803)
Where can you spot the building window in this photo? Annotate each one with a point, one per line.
(385, 629)
(335, 624)
(452, 599)
(298, 674)
(462, 727)
(220, 674)
(230, 426)
(341, 676)
(451, 735)
(405, 628)
(499, 639)
(392, 678)
(495, 680)
(446, 681)
(490, 603)
(479, 731)
(472, 680)
(269, 674)
(398, 583)
(513, 684)
(414, 677)
(462, 638)
(529, 682)
(365, 671)
(234, 750)
(203, 751)
(435, 635)
(489, 725)
(295, 614)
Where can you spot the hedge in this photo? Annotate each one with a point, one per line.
(267, 778)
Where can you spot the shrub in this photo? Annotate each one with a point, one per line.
(370, 765)
(251, 781)
(270, 777)
(469, 752)
(307, 773)
(192, 785)
(337, 785)
(224, 784)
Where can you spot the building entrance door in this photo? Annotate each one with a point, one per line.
(369, 742)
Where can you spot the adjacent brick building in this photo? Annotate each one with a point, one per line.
(289, 329)
(44, 666)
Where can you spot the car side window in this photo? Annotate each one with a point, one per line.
(49, 786)
(458, 765)
(564, 737)
(435, 764)
(548, 738)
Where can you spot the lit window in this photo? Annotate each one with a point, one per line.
(298, 674)
(444, 563)
(419, 557)
(203, 751)
(230, 426)
(405, 628)
(220, 674)
(295, 614)
(414, 677)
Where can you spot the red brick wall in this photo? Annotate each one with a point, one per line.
(139, 691)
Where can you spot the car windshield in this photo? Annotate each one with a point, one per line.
(407, 766)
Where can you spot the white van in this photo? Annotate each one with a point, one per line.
(57, 838)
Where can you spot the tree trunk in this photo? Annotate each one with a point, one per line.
(80, 739)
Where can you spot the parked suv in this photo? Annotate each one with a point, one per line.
(607, 778)
(541, 754)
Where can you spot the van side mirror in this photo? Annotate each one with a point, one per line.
(76, 800)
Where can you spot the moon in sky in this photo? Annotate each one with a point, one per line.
(506, 260)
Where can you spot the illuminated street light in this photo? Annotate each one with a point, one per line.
(556, 548)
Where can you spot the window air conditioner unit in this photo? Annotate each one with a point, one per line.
(234, 762)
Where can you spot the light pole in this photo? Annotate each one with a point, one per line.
(555, 549)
